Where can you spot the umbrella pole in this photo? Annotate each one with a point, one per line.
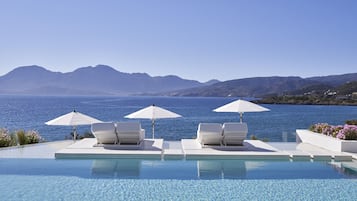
(241, 117)
(74, 133)
(153, 128)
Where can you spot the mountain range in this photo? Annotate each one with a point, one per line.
(98, 80)
(105, 80)
(264, 86)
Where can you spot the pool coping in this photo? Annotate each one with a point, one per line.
(189, 149)
(192, 149)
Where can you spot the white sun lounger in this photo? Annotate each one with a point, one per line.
(234, 133)
(130, 133)
(105, 133)
(209, 133)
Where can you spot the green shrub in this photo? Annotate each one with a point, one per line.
(352, 122)
(5, 138)
(253, 137)
(265, 139)
(88, 134)
(351, 135)
(33, 137)
(13, 140)
(21, 137)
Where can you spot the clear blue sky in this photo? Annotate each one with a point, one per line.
(196, 39)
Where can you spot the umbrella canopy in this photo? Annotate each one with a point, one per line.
(72, 119)
(241, 106)
(152, 112)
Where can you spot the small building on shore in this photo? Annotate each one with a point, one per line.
(354, 96)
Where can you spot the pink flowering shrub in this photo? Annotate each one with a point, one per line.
(332, 130)
(319, 127)
(346, 132)
(349, 132)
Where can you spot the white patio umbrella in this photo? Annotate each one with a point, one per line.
(152, 112)
(241, 106)
(73, 119)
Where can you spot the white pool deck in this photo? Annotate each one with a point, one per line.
(184, 149)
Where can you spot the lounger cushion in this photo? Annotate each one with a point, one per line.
(209, 133)
(234, 133)
(104, 132)
(130, 132)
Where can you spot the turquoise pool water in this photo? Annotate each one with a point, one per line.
(48, 179)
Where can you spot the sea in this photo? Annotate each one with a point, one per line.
(277, 125)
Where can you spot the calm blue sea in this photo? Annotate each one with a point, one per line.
(30, 112)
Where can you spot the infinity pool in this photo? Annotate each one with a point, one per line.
(129, 179)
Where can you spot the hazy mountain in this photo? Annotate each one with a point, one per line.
(105, 80)
(261, 86)
(98, 80)
(335, 80)
(27, 77)
(210, 82)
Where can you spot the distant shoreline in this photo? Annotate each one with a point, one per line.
(306, 100)
(281, 100)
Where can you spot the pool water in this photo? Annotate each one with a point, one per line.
(132, 179)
